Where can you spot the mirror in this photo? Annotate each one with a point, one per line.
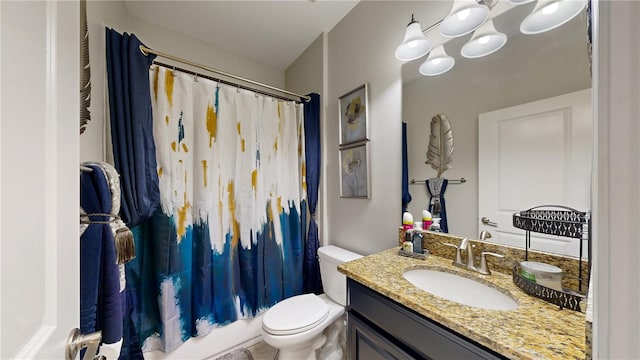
(528, 68)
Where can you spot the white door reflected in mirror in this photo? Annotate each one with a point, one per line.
(535, 154)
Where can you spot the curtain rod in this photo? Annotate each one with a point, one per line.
(146, 51)
(221, 81)
(452, 181)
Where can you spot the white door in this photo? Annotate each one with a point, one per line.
(39, 181)
(534, 154)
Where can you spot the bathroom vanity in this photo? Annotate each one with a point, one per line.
(388, 317)
(379, 327)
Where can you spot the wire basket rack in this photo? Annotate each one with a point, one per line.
(555, 220)
(564, 299)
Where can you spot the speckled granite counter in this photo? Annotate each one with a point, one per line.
(536, 330)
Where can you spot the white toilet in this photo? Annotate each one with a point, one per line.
(295, 326)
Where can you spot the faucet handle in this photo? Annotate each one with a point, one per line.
(484, 269)
(484, 234)
(458, 260)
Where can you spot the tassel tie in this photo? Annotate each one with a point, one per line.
(123, 237)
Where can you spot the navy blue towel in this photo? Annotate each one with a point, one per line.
(100, 298)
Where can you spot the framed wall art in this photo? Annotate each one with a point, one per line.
(353, 110)
(354, 171)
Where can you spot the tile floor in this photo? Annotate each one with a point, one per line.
(262, 351)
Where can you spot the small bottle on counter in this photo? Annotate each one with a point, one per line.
(416, 238)
(426, 219)
(407, 221)
(407, 246)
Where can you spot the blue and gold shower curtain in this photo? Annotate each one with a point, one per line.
(227, 241)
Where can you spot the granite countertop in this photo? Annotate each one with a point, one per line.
(535, 330)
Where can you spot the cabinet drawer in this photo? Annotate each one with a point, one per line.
(366, 343)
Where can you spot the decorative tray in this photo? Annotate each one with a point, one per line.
(422, 256)
(557, 220)
(564, 299)
(560, 221)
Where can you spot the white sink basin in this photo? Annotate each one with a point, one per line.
(460, 289)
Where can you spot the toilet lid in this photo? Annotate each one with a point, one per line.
(295, 314)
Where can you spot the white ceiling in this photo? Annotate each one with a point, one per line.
(274, 33)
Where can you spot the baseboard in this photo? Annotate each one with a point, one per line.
(242, 333)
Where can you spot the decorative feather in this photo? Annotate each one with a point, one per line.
(440, 151)
(85, 71)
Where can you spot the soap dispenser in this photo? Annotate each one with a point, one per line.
(417, 237)
(435, 226)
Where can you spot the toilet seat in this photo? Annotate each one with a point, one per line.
(295, 315)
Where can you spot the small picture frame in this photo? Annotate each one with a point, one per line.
(354, 171)
(353, 110)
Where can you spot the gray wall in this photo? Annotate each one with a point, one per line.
(361, 50)
(305, 75)
(617, 182)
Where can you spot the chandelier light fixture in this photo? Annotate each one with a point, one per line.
(468, 16)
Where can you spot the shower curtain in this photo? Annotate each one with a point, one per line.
(227, 240)
(406, 196)
(312, 282)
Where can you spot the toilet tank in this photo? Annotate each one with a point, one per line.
(333, 282)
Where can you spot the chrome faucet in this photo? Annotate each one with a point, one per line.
(465, 245)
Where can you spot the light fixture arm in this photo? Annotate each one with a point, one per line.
(433, 26)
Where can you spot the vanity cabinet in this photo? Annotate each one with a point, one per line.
(380, 328)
